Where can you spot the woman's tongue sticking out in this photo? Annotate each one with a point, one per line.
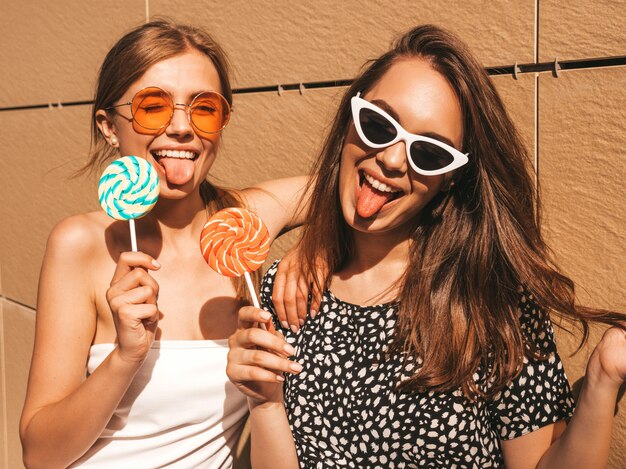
(371, 200)
(178, 171)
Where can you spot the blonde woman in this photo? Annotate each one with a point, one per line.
(148, 327)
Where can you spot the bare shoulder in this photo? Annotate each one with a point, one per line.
(79, 236)
(72, 270)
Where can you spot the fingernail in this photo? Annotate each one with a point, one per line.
(289, 349)
(301, 321)
(284, 324)
(156, 263)
(296, 367)
(313, 314)
(280, 378)
(265, 315)
(294, 328)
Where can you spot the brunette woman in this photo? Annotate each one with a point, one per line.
(433, 346)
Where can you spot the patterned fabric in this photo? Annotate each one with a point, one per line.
(344, 410)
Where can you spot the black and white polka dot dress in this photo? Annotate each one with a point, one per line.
(344, 410)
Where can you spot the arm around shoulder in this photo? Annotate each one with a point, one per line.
(281, 203)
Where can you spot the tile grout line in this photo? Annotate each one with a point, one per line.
(536, 151)
(18, 303)
(536, 68)
(3, 386)
(5, 435)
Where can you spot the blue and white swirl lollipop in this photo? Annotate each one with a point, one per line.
(128, 189)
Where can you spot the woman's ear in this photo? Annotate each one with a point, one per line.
(107, 129)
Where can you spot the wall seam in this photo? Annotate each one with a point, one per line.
(17, 303)
(5, 434)
(147, 4)
(536, 153)
(535, 68)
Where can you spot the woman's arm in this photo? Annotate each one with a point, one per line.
(281, 203)
(257, 360)
(271, 441)
(64, 413)
(584, 443)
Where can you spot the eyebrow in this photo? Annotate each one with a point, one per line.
(441, 138)
(389, 110)
(196, 93)
(193, 94)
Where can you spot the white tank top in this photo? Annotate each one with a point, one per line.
(180, 411)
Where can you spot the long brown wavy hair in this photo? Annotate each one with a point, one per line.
(473, 247)
(127, 61)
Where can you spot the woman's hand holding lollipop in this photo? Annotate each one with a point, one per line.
(257, 359)
(132, 298)
(235, 242)
(128, 189)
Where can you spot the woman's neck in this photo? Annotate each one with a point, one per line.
(372, 275)
(174, 220)
(375, 249)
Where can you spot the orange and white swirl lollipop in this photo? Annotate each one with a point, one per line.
(235, 242)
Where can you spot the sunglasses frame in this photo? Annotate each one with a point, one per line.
(459, 158)
(173, 107)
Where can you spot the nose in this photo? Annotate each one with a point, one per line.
(179, 125)
(393, 157)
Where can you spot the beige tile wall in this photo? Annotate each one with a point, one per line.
(282, 41)
(18, 332)
(579, 29)
(45, 147)
(51, 51)
(582, 171)
(55, 48)
(519, 98)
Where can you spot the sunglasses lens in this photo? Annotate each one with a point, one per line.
(376, 128)
(430, 157)
(152, 108)
(210, 112)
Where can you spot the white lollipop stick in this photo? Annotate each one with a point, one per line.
(255, 300)
(133, 235)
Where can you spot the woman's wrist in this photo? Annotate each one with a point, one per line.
(266, 406)
(597, 379)
(123, 364)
